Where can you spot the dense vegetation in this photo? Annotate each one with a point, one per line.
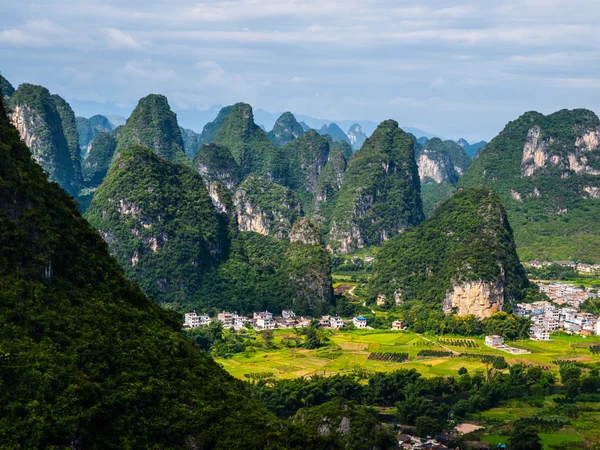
(380, 195)
(210, 129)
(306, 157)
(88, 129)
(99, 159)
(250, 146)
(152, 124)
(159, 222)
(87, 360)
(215, 163)
(6, 89)
(52, 140)
(328, 186)
(285, 130)
(471, 149)
(467, 239)
(552, 207)
(191, 142)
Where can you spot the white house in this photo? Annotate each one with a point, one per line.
(226, 318)
(288, 314)
(193, 320)
(336, 322)
(264, 321)
(359, 322)
(397, 325)
(494, 341)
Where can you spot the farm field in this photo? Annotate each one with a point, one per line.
(583, 428)
(348, 351)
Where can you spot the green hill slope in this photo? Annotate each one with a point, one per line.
(88, 361)
(546, 170)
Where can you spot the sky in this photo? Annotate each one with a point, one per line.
(451, 68)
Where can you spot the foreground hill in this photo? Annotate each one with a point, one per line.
(88, 361)
(462, 260)
(46, 123)
(546, 170)
(380, 193)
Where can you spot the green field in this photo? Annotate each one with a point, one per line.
(348, 352)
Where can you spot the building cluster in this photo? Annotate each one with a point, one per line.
(577, 266)
(267, 321)
(497, 342)
(563, 313)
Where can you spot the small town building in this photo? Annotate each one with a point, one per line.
(359, 322)
(324, 322)
(264, 321)
(494, 341)
(226, 319)
(193, 320)
(397, 325)
(288, 314)
(336, 322)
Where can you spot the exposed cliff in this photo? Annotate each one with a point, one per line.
(67, 118)
(285, 130)
(38, 116)
(152, 124)
(544, 168)
(159, 222)
(356, 136)
(266, 208)
(380, 194)
(462, 260)
(215, 163)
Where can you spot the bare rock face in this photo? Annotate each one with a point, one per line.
(574, 158)
(476, 297)
(438, 171)
(266, 208)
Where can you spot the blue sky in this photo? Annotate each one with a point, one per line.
(453, 68)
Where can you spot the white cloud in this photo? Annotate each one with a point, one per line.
(297, 80)
(148, 70)
(118, 39)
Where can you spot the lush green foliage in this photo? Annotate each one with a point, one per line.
(43, 116)
(99, 159)
(152, 124)
(191, 142)
(215, 163)
(380, 195)
(6, 89)
(458, 156)
(210, 129)
(468, 239)
(285, 130)
(159, 222)
(88, 361)
(250, 146)
(87, 129)
(69, 127)
(554, 216)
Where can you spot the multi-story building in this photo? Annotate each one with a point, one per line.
(336, 322)
(288, 314)
(264, 321)
(226, 319)
(359, 322)
(193, 320)
(494, 341)
(397, 325)
(539, 334)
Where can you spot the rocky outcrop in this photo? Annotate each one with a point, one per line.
(476, 297)
(266, 208)
(356, 136)
(44, 124)
(305, 232)
(437, 171)
(534, 151)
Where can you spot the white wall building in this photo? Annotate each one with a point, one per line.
(336, 322)
(359, 322)
(494, 341)
(193, 320)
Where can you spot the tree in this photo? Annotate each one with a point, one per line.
(312, 339)
(569, 372)
(524, 438)
(462, 371)
(267, 336)
(426, 426)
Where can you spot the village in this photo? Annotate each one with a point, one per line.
(267, 321)
(561, 313)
